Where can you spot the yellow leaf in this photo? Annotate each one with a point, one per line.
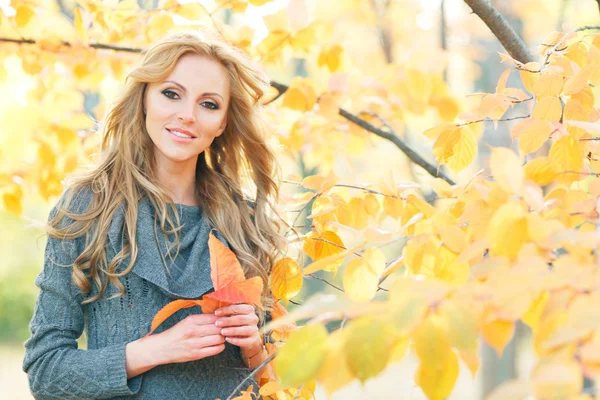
(506, 169)
(497, 334)
(353, 214)
(331, 57)
(549, 84)
(361, 277)
(431, 343)
(577, 82)
(238, 6)
(80, 25)
(159, 25)
(461, 326)
(335, 374)
(471, 359)
(24, 15)
(407, 311)
(271, 50)
(507, 230)
(303, 40)
(367, 346)
(557, 380)
(528, 75)
(301, 95)
(532, 134)
(437, 382)
(548, 108)
(566, 155)
(435, 132)
(532, 316)
(502, 81)
(550, 41)
(320, 245)
(300, 359)
(372, 204)
(541, 170)
(286, 279)
(456, 148)
(454, 238)
(330, 263)
(259, 2)
(420, 255)
(12, 199)
(448, 269)
(191, 11)
(399, 349)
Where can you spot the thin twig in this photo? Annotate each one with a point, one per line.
(489, 119)
(336, 245)
(256, 369)
(301, 211)
(326, 281)
(587, 27)
(365, 189)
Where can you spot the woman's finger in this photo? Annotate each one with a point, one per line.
(237, 320)
(235, 309)
(207, 341)
(241, 342)
(240, 331)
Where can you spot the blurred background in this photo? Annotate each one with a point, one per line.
(441, 40)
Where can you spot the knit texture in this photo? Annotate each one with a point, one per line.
(56, 368)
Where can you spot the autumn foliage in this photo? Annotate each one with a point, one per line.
(229, 283)
(515, 241)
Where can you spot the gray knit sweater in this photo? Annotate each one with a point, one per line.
(56, 368)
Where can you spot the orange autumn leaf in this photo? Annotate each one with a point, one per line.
(169, 310)
(224, 266)
(210, 305)
(246, 291)
(231, 286)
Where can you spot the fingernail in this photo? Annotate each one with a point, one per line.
(227, 340)
(218, 323)
(218, 312)
(222, 332)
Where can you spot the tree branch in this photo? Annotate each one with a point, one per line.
(392, 137)
(281, 88)
(501, 29)
(68, 44)
(254, 371)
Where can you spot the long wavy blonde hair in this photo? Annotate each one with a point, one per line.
(127, 171)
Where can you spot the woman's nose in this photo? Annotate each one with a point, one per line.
(186, 114)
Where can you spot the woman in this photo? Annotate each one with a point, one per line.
(129, 236)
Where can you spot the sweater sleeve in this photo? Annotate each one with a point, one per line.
(55, 366)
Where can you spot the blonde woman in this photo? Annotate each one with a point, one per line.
(129, 236)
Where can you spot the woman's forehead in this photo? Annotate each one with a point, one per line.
(198, 73)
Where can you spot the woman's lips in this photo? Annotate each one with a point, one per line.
(179, 138)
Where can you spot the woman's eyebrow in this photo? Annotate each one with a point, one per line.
(203, 94)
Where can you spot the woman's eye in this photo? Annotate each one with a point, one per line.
(170, 94)
(211, 105)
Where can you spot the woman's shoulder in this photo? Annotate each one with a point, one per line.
(73, 200)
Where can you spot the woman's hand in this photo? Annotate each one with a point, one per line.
(239, 326)
(193, 338)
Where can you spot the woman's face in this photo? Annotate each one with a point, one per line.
(186, 111)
